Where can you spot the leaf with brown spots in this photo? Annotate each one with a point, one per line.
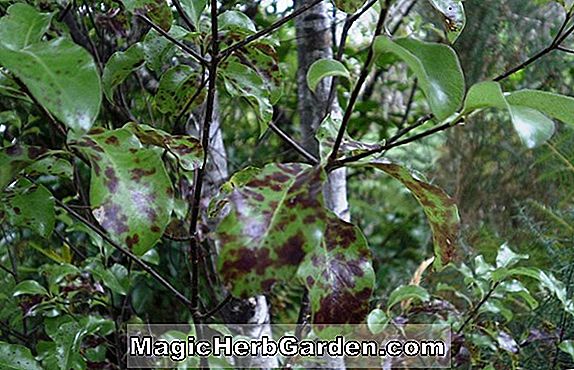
(127, 190)
(186, 149)
(177, 87)
(15, 158)
(278, 229)
(440, 209)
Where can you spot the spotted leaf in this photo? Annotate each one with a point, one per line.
(186, 149)
(62, 76)
(278, 229)
(177, 87)
(453, 16)
(130, 192)
(15, 158)
(440, 209)
(157, 10)
(31, 206)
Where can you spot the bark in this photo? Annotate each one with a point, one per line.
(314, 42)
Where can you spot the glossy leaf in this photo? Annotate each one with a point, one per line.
(485, 95)
(17, 357)
(29, 287)
(552, 105)
(237, 21)
(177, 87)
(242, 81)
(33, 207)
(349, 6)
(23, 25)
(186, 149)
(405, 292)
(120, 65)
(130, 192)
(324, 68)
(567, 346)
(278, 229)
(506, 257)
(14, 159)
(437, 68)
(157, 10)
(533, 127)
(453, 16)
(62, 77)
(193, 9)
(440, 209)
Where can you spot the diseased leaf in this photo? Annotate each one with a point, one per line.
(23, 25)
(186, 149)
(17, 357)
(437, 68)
(194, 8)
(405, 292)
(177, 87)
(120, 65)
(349, 6)
(14, 159)
(324, 68)
(453, 16)
(243, 81)
(61, 76)
(157, 10)
(440, 209)
(158, 51)
(278, 228)
(32, 207)
(130, 192)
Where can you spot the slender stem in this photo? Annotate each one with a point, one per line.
(295, 145)
(181, 297)
(217, 308)
(477, 307)
(409, 104)
(181, 45)
(256, 36)
(183, 15)
(359, 85)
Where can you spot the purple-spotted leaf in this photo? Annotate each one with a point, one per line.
(186, 149)
(15, 158)
(338, 274)
(157, 10)
(279, 229)
(440, 209)
(130, 192)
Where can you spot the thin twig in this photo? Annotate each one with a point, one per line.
(474, 311)
(295, 145)
(256, 36)
(217, 308)
(181, 45)
(183, 15)
(359, 85)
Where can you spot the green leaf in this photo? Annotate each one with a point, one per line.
(29, 287)
(16, 357)
(113, 278)
(440, 209)
(23, 25)
(349, 6)
(526, 110)
(567, 346)
(62, 77)
(243, 81)
(177, 86)
(377, 321)
(120, 65)
(193, 9)
(14, 159)
(278, 228)
(453, 16)
(157, 10)
(437, 68)
(233, 20)
(33, 207)
(323, 68)
(506, 257)
(158, 50)
(405, 292)
(533, 127)
(186, 149)
(130, 192)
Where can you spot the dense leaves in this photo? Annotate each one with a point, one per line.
(120, 66)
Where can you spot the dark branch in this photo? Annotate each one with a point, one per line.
(289, 140)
